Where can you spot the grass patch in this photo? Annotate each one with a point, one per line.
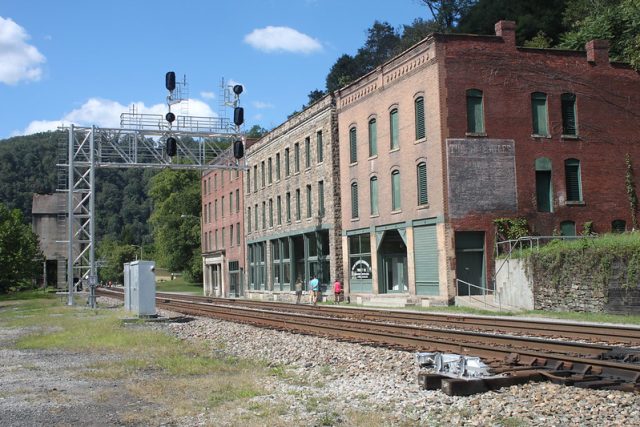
(179, 285)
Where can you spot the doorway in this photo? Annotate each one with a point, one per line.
(393, 263)
(470, 269)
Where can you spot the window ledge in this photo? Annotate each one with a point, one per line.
(426, 206)
(537, 136)
(421, 140)
(569, 136)
(375, 156)
(374, 215)
(476, 134)
(397, 211)
(353, 164)
(575, 203)
(393, 150)
(355, 219)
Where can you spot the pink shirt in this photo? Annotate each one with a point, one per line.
(337, 287)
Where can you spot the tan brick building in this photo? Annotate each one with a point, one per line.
(460, 130)
(292, 207)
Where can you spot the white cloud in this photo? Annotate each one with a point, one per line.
(207, 95)
(281, 39)
(106, 113)
(18, 59)
(261, 105)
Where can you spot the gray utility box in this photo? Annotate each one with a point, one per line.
(140, 287)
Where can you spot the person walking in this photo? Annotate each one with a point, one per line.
(298, 287)
(337, 290)
(314, 284)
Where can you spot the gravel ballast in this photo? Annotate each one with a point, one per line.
(316, 381)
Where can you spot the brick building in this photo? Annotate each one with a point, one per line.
(292, 212)
(223, 238)
(460, 130)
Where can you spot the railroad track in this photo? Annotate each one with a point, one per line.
(521, 358)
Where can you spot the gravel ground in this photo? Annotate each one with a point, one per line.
(321, 382)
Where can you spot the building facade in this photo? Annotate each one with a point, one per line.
(292, 204)
(223, 239)
(460, 130)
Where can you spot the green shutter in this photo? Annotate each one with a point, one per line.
(422, 184)
(572, 179)
(319, 147)
(393, 120)
(373, 187)
(539, 113)
(569, 126)
(426, 260)
(353, 148)
(568, 228)
(321, 198)
(543, 191)
(307, 152)
(475, 119)
(420, 128)
(373, 137)
(354, 200)
(395, 190)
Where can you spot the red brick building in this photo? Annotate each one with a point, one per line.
(460, 130)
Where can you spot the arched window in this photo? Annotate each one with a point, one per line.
(419, 110)
(544, 192)
(395, 190)
(393, 129)
(373, 137)
(353, 148)
(421, 177)
(569, 114)
(568, 228)
(539, 114)
(354, 200)
(572, 179)
(373, 194)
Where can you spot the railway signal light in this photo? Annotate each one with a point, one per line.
(238, 149)
(170, 117)
(238, 116)
(171, 146)
(237, 89)
(170, 81)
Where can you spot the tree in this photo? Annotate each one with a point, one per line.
(175, 220)
(615, 20)
(447, 13)
(256, 132)
(115, 254)
(20, 256)
(315, 95)
(344, 71)
(417, 31)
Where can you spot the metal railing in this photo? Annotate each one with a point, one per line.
(481, 297)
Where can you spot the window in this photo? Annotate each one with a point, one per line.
(255, 217)
(568, 228)
(270, 212)
(572, 179)
(249, 219)
(618, 226)
(475, 113)
(237, 200)
(354, 200)
(287, 168)
(421, 177)
(278, 166)
(222, 242)
(360, 263)
(353, 148)
(231, 235)
(309, 207)
(544, 192)
(569, 118)
(221, 179)
(262, 172)
(539, 113)
(298, 213)
(255, 178)
(395, 190)
(270, 170)
(321, 198)
(373, 194)
(248, 181)
(215, 210)
(238, 233)
(222, 206)
(393, 129)
(216, 241)
(279, 207)
(288, 206)
(373, 138)
(296, 158)
(215, 181)
(307, 152)
(419, 108)
(230, 203)
(264, 215)
(319, 148)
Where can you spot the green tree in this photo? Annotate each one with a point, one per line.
(615, 20)
(257, 132)
(114, 254)
(175, 221)
(20, 256)
(415, 32)
(315, 95)
(447, 13)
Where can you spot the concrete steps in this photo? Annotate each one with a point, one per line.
(482, 302)
(385, 301)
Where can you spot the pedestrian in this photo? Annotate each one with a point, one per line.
(298, 287)
(337, 290)
(315, 289)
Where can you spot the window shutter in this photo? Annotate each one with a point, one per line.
(373, 184)
(475, 119)
(319, 146)
(420, 128)
(352, 145)
(354, 200)
(569, 114)
(572, 177)
(422, 184)
(539, 113)
(373, 137)
(395, 190)
(393, 119)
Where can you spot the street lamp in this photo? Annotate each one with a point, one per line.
(138, 246)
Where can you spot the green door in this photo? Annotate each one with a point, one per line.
(470, 262)
(426, 260)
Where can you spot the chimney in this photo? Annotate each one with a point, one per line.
(507, 30)
(598, 51)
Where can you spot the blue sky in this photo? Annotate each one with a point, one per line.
(85, 62)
